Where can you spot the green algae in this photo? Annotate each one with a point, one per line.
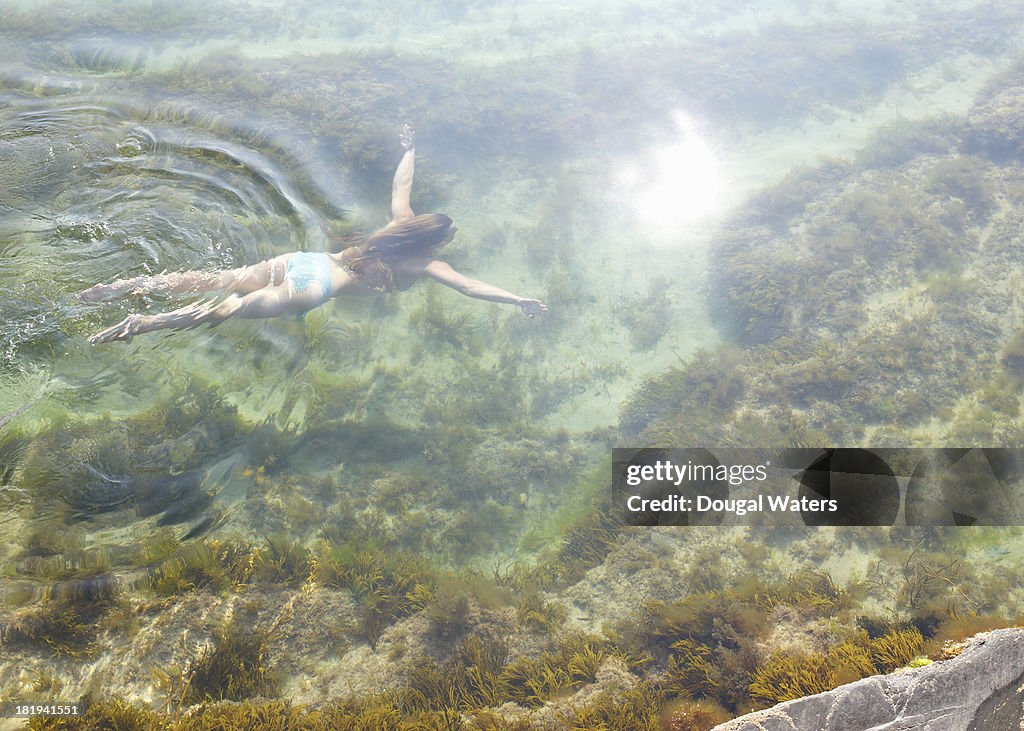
(711, 670)
(69, 618)
(487, 404)
(234, 668)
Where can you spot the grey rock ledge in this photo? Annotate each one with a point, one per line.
(981, 689)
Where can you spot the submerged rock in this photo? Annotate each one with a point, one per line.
(978, 689)
(997, 120)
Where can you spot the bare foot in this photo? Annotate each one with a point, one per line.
(100, 293)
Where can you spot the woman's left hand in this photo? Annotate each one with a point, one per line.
(532, 307)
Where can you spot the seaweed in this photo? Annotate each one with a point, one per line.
(473, 678)
(450, 612)
(786, 676)
(387, 586)
(815, 593)
(783, 201)
(444, 326)
(692, 670)
(918, 580)
(218, 565)
(902, 140)
(966, 178)
(704, 389)
(283, 561)
(107, 713)
(69, 618)
(647, 317)
(685, 714)
(896, 649)
(235, 667)
(852, 658)
(535, 613)
(1013, 354)
(639, 708)
(960, 627)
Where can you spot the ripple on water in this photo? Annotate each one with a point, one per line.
(103, 187)
(94, 186)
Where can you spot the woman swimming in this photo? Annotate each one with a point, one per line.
(390, 259)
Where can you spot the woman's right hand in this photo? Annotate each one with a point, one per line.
(532, 307)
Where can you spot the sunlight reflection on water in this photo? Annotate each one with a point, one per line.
(676, 184)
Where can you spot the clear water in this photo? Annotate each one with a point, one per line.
(587, 151)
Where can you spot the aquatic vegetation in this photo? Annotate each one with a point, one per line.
(532, 681)
(387, 585)
(786, 676)
(68, 619)
(156, 547)
(538, 614)
(585, 545)
(282, 561)
(703, 390)
(450, 612)
(951, 287)
(752, 295)
(234, 668)
(778, 204)
(647, 317)
(901, 140)
(437, 323)
(995, 126)
(852, 658)
(691, 670)
(692, 715)
(711, 645)
(474, 678)
(77, 471)
(107, 713)
(959, 627)
(576, 541)
(640, 707)
(966, 178)
(1013, 354)
(810, 261)
(919, 581)
(213, 564)
(705, 642)
(813, 592)
(896, 649)
(717, 618)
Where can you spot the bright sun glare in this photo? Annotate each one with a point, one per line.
(677, 184)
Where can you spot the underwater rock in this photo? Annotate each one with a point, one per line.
(997, 120)
(978, 689)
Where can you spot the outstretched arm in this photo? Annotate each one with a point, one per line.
(265, 303)
(442, 272)
(401, 186)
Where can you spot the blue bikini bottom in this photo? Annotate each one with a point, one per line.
(305, 267)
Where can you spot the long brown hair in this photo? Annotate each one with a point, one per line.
(370, 261)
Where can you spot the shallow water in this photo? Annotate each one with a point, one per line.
(589, 158)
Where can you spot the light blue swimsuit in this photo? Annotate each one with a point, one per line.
(305, 267)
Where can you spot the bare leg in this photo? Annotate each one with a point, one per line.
(267, 302)
(241, 280)
(401, 186)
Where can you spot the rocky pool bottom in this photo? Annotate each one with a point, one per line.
(875, 300)
(618, 629)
